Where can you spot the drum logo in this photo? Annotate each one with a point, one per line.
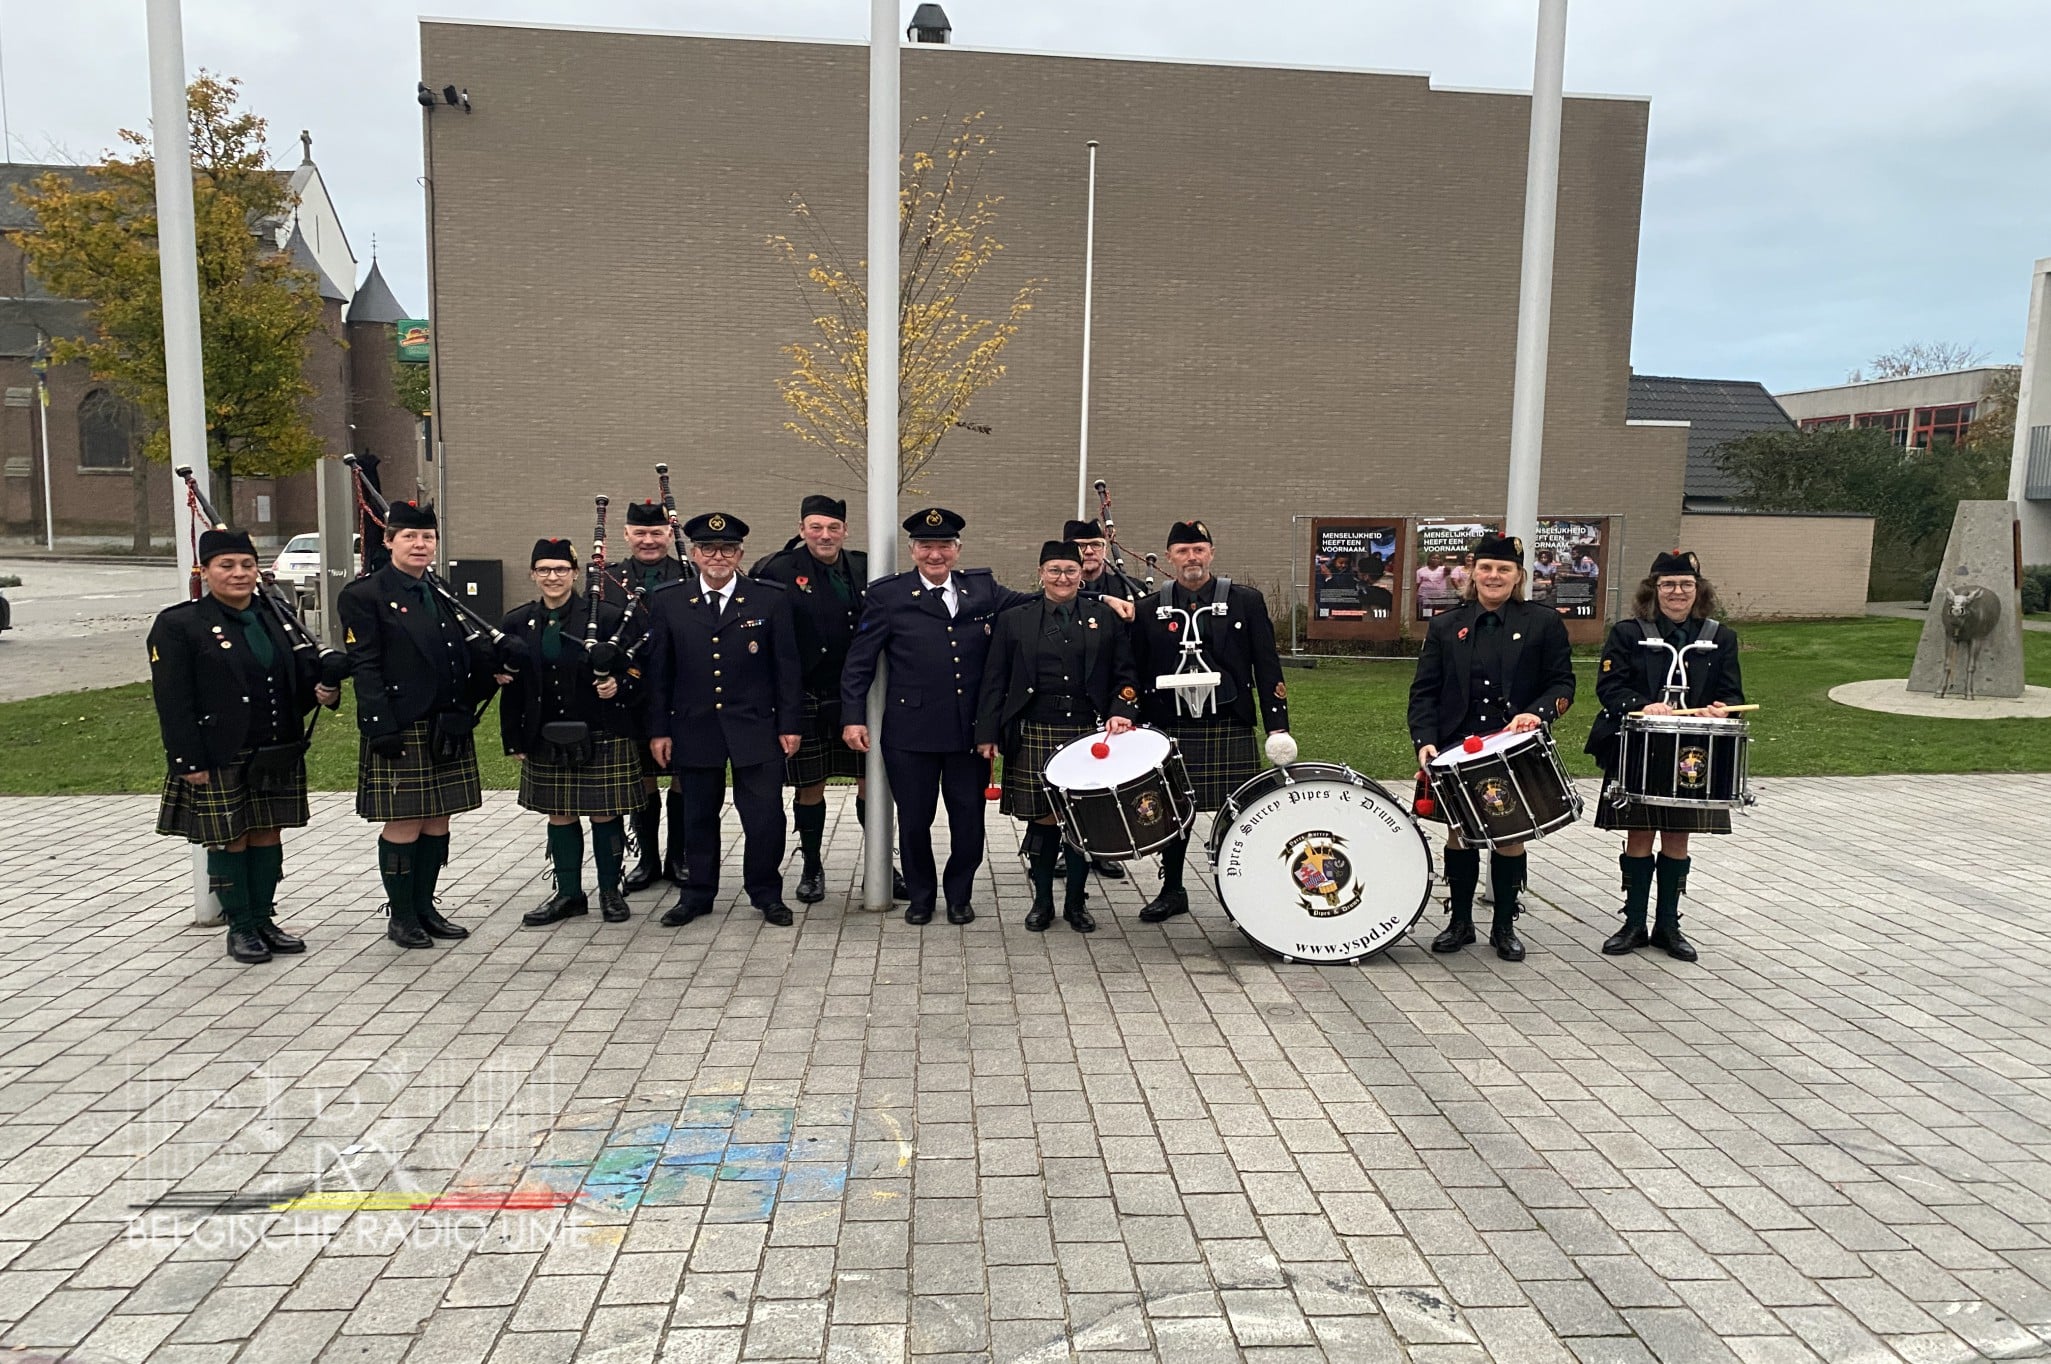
(1323, 874)
(1146, 808)
(1495, 797)
(1693, 766)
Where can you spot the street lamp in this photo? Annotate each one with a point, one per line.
(39, 365)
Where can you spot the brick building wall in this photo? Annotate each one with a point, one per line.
(1305, 290)
(1781, 567)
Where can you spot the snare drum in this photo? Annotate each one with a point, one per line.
(1512, 789)
(1684, 762)
(1133, 801)
(1314, 862)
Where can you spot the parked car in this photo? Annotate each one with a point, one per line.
(298, 563)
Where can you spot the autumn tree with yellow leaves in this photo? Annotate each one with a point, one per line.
(947, 353)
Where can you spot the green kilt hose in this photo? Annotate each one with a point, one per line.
(1025, 765)
(1220, 758)
(609, 784)
(1672, 819)
(413, 785)
(821, 751)
(228, 808)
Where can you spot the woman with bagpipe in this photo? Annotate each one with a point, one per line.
(233, 686)
(1673, 604)
(566, 718)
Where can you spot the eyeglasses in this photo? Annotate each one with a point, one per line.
(1060, 573)
(1678, 585)
(719, 551)
(553, 572)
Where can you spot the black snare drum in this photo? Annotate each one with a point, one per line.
(1506, 788)
(1684, 761)
(1133, 800)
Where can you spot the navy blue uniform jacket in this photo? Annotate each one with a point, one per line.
(936, 660)
(722, 690)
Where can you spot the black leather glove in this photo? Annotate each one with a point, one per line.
(392, 746)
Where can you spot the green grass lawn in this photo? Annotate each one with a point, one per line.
(1347, 711)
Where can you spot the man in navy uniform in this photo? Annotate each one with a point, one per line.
(724, 685)
(932, 625)
(653, 561)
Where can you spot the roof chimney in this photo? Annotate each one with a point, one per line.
(929, 25)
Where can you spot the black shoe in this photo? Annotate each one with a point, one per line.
(556, 910)
(246, 945)
(1457, 935)
(681, 913)
(961, 914)
(642, 876)
(1040, 915)
(1668, 937)
(277, 939)
(1629, 938)
(1079, 919)
(406, 934)
(1166, 905)
(613, 905)
(914, 914)
(1507, 944)
(776, 912)
(435, 926)
(1106, 868)
(898, 889)
(812, 886)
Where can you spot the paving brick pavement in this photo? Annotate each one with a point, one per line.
(856, 1140)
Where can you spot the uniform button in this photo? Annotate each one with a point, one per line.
(719, 705)
(719, 689)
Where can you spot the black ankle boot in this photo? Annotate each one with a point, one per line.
(1505, 879)
(1666, 928)
(1173, 899)
(1463, 874)
(1075, 907)
(557, 908)
(647, 823)
(1637, 892)
(810, 823)
(1040, 840)
(395, 865)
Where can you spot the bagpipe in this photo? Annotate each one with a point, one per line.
(331, 664)
(1118, 550)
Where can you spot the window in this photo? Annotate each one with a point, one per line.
(1895, 423)
(1824, 423)
(106, 431)
(1943, 423)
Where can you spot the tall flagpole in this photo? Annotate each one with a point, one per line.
(884, 58)
(1534, 287)
(1089, 276)
(178, 266)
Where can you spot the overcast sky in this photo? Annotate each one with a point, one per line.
(1826, 178)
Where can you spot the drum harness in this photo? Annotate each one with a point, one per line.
(1675, 689)
(1194, 681)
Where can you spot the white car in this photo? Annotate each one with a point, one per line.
(298, 563)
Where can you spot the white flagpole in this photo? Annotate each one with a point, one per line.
(1089, 276)
(1534, 289)
(884, 137)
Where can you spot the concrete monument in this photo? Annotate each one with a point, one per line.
(1972, 643)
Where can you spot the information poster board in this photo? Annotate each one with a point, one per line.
(1569, 571)
(1355, 577)
(1442, 563)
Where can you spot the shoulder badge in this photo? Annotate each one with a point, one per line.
(349, 635)
(155, 659)
(1608, 663)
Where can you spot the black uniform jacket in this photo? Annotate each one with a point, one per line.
(400, 655)
(1239, 644)
(826, 622)
(668, 569)
(936, 660)
(722, 690)
(1009, 673)
(528, 704)
(1631, 677)
(1541, 670)
(203, 690)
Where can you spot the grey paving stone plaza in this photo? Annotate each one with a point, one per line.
(857, 1140)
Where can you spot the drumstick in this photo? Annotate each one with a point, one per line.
(1703, 710)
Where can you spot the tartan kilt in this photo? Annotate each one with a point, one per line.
(1219, 758)
(413, 785)
(610, 784)
(227, 808)
(1671, 819)
(1025, 765)
(821, 752)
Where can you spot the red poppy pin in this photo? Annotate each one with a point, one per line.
(804, 584)
(1173, 626)
(1463, 632)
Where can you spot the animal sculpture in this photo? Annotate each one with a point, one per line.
(1970, 615)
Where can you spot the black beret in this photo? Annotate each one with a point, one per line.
(715, 528)
(1503, 548)
(213, 543)
(1189, 533)
(934, 523)
(410, 516)
(1082, 530)
(647, 514)
(819, 504)
(1675, 563)
(553, 549)
(1060, 549)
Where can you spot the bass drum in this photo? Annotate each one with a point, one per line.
(1314, 862)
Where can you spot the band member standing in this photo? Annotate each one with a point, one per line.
(724, 685)
(418, 683)
(1676, 604)
(827, 584)
(1099, 578)
(1238, 643)
(1494, 662)
(1060, 666)
(652, 562)
(932, 625)
(574, 735)
(231, 698)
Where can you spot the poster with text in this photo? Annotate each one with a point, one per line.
(1569, 567)
(1444, 563)
(1355, 580)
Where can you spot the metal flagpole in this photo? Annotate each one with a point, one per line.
(178, 264)
(1089, 275)
(884, 57)
(1534, 288)
(40, 367)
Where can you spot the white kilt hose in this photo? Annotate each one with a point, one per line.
(609, 784)
(413, 785)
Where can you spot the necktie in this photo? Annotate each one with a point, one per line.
(258, 637)
(552, 637)
(426, 600)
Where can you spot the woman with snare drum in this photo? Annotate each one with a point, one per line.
(1495, 662)
(1674, 604)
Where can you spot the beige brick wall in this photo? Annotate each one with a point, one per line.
(1305, 291)
(1784, 567)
